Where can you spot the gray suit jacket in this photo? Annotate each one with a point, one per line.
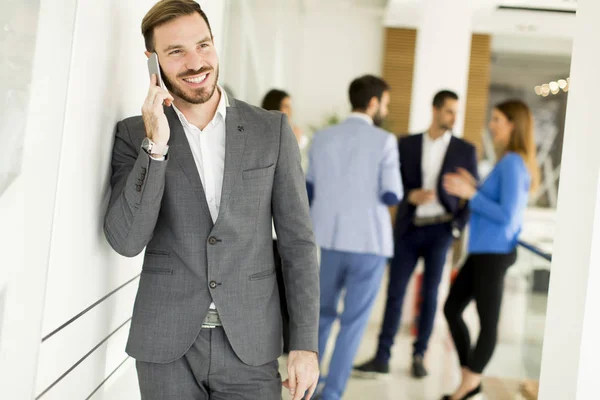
(190, 261)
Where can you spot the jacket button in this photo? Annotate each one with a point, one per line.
(212, 284)
(212, 240)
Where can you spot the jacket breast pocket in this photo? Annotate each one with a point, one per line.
(157, 253)
(262, 275)
(157, 271)
(258, 172)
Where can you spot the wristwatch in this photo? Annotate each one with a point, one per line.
(455, 232)
(154, 149)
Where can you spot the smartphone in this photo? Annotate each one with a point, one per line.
(154, 68)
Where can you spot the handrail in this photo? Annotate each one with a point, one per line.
(536, 250)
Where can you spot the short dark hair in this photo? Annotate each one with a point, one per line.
(363, 89)
(165, 11)
(273, 98)
(440, 98)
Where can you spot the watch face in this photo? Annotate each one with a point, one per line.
(146, 144)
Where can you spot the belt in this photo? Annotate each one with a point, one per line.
(425, 221)
(212, 320)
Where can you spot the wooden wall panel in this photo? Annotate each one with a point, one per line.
(478, 90)
(398, 65)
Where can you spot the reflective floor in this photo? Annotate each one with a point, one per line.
(516, 360)
(442, 364)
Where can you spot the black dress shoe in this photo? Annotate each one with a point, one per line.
(418, 368)
(467, 396)
(372, 368)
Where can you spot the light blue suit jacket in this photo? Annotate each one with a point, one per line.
(351, 166)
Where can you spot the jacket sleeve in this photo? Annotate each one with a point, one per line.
(137, 184)
(296, 243)
(390, 183)
(464, 213)
(513, 193)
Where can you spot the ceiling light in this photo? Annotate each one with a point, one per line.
(553, 87)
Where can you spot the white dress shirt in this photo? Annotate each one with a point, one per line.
(208, 149)
(434, 152)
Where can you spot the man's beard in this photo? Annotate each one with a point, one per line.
(378, 119)
(198, 96)
(446, 127)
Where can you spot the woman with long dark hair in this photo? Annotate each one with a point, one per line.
(497, 212)
(279, 100)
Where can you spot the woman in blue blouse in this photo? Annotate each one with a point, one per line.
(497, 208)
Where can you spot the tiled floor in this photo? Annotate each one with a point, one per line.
(517, 358)
(444, 374)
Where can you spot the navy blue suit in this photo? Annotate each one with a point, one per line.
(430, 242)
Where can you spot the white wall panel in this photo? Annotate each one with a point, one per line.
(27, 209)
(108, 82)
(118, 386)
(90, 373)
(66, 347)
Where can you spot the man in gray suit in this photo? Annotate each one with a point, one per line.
(197, 180)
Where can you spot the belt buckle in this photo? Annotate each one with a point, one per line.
(212, 320)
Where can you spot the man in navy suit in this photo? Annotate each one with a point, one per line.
(427, 221)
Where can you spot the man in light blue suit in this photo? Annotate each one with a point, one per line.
(353, 176)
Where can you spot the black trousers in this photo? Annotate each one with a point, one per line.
(285, 316)
(481, 279)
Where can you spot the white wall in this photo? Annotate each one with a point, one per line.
(324, 49)
(572, 323)
(27, 206)
(89, 72)
(107, 82)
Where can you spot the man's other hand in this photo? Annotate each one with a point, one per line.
(303, 374)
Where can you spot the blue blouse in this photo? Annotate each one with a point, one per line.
(498, 208)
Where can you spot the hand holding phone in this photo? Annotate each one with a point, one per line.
(154, 68)
(155, 121)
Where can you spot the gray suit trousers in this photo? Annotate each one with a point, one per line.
(209, 370)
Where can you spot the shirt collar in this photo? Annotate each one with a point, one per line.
(221, 109)
(445, 138)
(362, 116)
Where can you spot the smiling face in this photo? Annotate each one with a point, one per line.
(188, 58)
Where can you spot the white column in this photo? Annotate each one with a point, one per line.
(572, 338)
(215, 11)
(278, 79)
(441, 58)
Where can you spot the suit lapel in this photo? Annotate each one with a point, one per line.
(235, 143)
(447, 165)
(419, 158)
(179, 149)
